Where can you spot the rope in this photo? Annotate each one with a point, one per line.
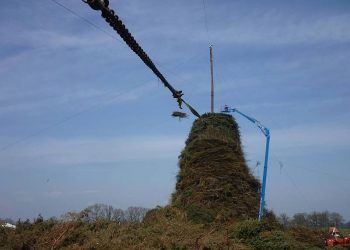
(113, 20)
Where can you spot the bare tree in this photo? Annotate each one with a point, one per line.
(106, 212)
(323, 219)
(300, 219)
(318, 219)
(336, 219)
(97, 212)
(135, 214)
(71, 216)
(118, 215)
(312, 220)
(284, 219)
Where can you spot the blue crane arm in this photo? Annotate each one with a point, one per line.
(263, 129)
(266, 132)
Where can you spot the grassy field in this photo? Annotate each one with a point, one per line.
(345, 232)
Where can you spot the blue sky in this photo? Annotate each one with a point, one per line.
(83, 121)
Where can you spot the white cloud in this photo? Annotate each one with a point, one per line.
(292, 104)
(53, 194)
(94, 150)
(56, 40)
(29, 196)
(257, 27)
(56, 194)
(299, 140)
(312, 136)
(37, 101)
(286, 30)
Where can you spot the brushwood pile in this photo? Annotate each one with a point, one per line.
(214, 182)
(214, 206)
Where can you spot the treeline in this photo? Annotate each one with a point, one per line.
(314, 220)
(7, 220)
(107, 212)
(94, 213)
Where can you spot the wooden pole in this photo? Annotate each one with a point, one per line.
(212, 79)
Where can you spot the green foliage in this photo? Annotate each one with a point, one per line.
(177, 246)
(251, 228)
(248, 229)
(200, 215)
(338, 248)
(162, 228)
(261, 235)
(274, 240)
(3, 237)
(308, 237)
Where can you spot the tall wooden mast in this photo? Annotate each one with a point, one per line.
(212, 80)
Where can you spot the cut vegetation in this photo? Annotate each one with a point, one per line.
(214, 206)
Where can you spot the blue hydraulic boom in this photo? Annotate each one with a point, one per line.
(266, 132)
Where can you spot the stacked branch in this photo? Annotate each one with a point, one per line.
(214, 182)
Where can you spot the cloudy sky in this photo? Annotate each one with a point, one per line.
(83, 121)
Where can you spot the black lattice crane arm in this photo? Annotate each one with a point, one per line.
(113, 20)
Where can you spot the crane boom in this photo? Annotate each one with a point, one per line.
(266, 132)
(113, 20)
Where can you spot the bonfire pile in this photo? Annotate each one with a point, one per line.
(214, 182)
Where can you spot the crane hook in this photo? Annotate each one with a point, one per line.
(178, 95)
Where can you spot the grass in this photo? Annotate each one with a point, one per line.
(345, 232)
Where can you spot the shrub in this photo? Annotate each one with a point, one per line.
(249, 229)
(307, 236)
(272, 240)
(261, 235)
(200, 215)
